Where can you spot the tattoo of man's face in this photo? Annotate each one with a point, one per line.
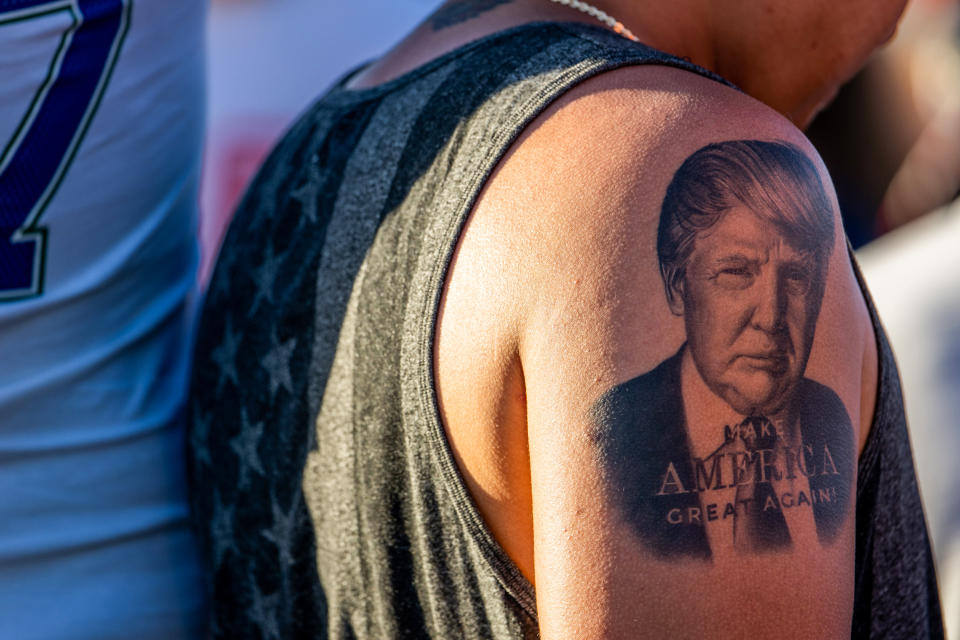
(745, 234)
(461, 11)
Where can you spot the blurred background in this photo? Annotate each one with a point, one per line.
(891, 141)
(267, 61)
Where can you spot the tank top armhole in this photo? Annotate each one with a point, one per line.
(615, 53)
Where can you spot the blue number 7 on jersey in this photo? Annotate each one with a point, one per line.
(39, 154)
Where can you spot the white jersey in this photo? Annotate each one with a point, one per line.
(101, 116)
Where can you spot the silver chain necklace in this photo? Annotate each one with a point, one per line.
(605, 18)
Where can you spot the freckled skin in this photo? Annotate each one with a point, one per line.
(750, 305)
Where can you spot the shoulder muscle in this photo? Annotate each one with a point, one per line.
(685, 305)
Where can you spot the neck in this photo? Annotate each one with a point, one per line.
(742, 41)
(678, 27)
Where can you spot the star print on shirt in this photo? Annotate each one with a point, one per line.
(263, 612)
(225, 356)
(306, 195)
(250, 414)
(245, 446)
(221, 529)
(277, 364)
(265, 277)
(282, 531)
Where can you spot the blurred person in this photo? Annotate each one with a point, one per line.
(409, 416)
(101, 113)
(928, 58)
(891, 140)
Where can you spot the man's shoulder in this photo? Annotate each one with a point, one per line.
(594, 167)
(656, 104)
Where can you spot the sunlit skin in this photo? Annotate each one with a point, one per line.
(750, 301)
(793, 56)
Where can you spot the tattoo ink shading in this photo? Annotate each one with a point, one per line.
(744, 239)
(457, 12)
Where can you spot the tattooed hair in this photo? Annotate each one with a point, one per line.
(775, 180)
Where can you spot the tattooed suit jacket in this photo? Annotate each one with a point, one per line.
(645, 418)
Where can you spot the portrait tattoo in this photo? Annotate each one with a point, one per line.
(461, 11)
(743, 244)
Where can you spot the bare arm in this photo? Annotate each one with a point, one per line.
(695, 358)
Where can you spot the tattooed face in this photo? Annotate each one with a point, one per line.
(744, 242)
(750, 304)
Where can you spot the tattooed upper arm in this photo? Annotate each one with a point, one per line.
(744, 237)
(693, 358)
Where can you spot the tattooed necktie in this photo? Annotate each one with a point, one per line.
(759, 524)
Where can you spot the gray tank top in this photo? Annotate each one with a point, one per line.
(324, 488)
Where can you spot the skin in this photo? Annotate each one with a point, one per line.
(823, 44)
(554, 297)
(590, 314)
(793, 56)
(750, 305)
